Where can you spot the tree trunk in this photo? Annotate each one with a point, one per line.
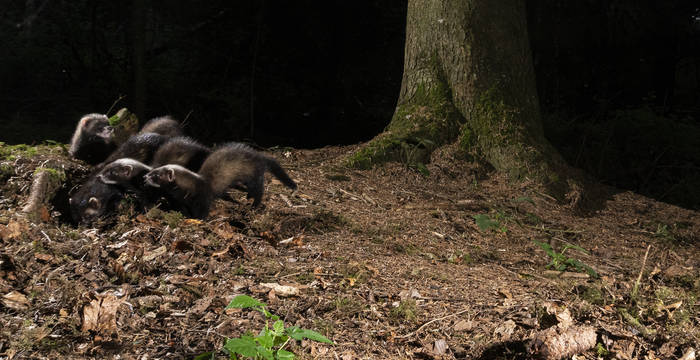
(468, 76)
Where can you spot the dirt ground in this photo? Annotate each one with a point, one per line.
(388, 263)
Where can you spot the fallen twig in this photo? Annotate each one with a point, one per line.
(430, 322)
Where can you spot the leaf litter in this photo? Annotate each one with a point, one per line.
(387, 263)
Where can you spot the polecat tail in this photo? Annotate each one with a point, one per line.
(274, 167)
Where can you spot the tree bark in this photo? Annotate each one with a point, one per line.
(468, 76)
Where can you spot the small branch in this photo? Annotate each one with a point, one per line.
(639, 277)
(430, 322)
(121, 97)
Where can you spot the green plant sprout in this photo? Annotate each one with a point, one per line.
(270, 342)
(561, 262)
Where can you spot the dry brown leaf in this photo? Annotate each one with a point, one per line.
(222, 252)
(191, 222)
(440, 347)
(43, 257)
(225, 231)
(15, 300)
(12, 230)
(150, 255)
(44, 214)
(374, 270)
(506, 293)
(688, 354)
(100, 315)
(281, 290)
(463, 325)
(505, 330)
(200, 305)
(298, 240)
(181, 245)
(406, 294)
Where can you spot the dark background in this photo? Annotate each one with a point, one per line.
(619, 81)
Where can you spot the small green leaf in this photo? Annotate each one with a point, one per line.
(284, 355)
(265, 338)
(265, 353)
(245, 346)
(299, 334)
(484, 222)
(243, 302)
(278, 328)
(267, 313)
(279, 340)
(114, 120)
(209, 355)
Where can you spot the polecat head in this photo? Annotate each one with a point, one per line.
(163, 176)
(97, 126)
(121, 171)
(92, 201)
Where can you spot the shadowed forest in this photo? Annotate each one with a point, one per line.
(442, 258)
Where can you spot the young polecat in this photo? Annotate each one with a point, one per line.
(181, 151)
(164, 125)
(236, 164)
(233, 165)
(182, 188)
(125, 172)
(139, 147)
(93, 200)
(93, 139)
(128, 175)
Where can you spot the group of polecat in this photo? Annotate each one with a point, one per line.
(160, 163)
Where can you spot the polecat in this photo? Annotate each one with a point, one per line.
(233, 165)
(93, 200)
(125, 172)
(93, 139)
(236, 164)
(164, 125)
(182, 188)
(139, 147)
(181, 151)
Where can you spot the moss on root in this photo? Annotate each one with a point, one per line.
(429, 119)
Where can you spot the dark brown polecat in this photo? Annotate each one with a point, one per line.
(93, 200)
(164, 125)
(93, 139)
(232, 165)
(139, 147)
(125, 172)
(236, 165)
(181, 151)
(184, 189)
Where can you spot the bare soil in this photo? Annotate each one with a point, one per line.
(388, 263)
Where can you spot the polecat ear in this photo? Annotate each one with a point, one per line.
(94, 203)
(129, 169)
(171, 175)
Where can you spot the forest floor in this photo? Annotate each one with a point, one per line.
(388, 263)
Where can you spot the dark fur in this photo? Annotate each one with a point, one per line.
(128, 175)
(139, 147)
(164, 125)
(93, 200)
(93, 139)
(181, 151)
(125, 173)
(182, 188)
(236, 165)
